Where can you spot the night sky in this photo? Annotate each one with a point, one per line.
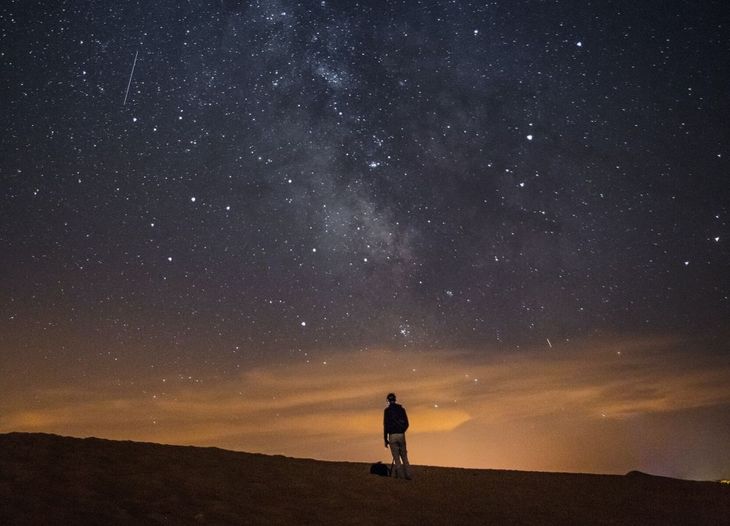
(243, 223)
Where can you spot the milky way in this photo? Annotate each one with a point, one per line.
(215, 186)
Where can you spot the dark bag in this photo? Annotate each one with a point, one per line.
(380, 469)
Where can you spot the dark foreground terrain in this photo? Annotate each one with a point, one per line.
(47, 479)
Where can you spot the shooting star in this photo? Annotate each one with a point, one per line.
(550, 344)
(130, 78)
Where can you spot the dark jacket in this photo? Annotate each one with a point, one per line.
(395, 420)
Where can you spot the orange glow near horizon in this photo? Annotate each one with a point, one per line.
(593, 408)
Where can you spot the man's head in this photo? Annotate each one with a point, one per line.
(391, 397)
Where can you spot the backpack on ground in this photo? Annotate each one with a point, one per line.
(381, 469)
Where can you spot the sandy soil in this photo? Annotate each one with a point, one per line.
(47, 479)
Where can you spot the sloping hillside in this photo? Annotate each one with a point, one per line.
(47, 479)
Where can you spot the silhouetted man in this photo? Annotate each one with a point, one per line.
(395, 424)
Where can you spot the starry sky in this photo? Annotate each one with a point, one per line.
(243, 223)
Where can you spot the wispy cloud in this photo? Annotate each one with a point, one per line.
(297, 408)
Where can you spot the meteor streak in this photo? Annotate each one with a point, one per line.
(130, 78)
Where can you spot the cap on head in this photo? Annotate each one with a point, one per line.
(391, 397)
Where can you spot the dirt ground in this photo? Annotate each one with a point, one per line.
(47, 479)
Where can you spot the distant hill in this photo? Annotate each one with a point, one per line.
(48, 479)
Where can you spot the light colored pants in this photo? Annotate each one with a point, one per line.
(400, 455)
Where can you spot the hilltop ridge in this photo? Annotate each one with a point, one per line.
(52, 479)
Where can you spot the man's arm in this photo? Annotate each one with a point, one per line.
(385, 432)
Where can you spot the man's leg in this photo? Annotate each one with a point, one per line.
(404, 457)
(395, 451)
